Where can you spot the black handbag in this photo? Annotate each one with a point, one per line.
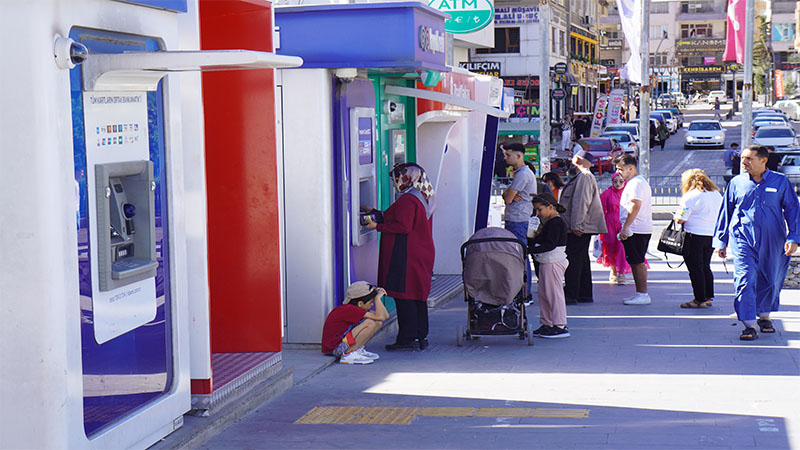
(672, 240)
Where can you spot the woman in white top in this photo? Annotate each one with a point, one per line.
(698, 213)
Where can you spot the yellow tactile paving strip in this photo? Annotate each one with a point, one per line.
(388, 415)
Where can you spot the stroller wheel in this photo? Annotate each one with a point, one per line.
(460, 334)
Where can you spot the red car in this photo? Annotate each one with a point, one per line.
(605, 150)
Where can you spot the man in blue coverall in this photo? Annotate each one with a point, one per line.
(758, 208)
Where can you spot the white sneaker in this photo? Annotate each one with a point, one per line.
(355, 358)
(363, 352)
(638, 299)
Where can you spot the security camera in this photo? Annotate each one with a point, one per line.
(346, 74)
(69, 53)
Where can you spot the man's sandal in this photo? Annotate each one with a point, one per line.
(694, 304)
(749, 334)
(765, 325)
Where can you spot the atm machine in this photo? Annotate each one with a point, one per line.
(97, 356)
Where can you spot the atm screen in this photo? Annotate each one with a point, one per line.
(365, 150)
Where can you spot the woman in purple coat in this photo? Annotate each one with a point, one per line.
(405, 265)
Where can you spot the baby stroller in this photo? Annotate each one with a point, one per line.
(494, 274)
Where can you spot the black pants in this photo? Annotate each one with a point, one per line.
(578, 277)
(697, 254)
(412, 320)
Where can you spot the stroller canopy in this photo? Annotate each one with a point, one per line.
(494, 269)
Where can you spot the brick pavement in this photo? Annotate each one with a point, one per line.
(650, 377)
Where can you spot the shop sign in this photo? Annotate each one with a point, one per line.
(558, 94)
(707, 69)
(560, 68)
(700, 42)
(513, 15)
(599, 115)
(614, 43)
(709, 60)
(431, 40)
(526, 110)
(521, 82)
(466, 16)
(783, 32)
(492, 68)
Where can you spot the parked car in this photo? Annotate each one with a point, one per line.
(775, 117)
(632, 128)
(665, 100)
(672, 121)
(676, 113)
(605, 150)
(713, 95)
(679, 98)
(704, 133)
(775, 136)
(626, 141)
(766, 122)
(769, 113)
(789, 107)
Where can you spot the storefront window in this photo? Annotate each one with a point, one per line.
(506, 40)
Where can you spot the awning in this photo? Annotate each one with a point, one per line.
(446, 98)
(567, 78)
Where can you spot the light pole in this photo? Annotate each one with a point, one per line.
(544, 88)
(644, 94)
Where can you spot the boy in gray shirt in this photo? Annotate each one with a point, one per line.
(518, 196)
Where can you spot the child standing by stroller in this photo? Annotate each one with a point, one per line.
(549, 250)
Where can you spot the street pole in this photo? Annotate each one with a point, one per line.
(644, 95)
(747, 88)
(544, 88)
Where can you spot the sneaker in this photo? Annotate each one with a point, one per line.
(638, 299)
(355, 358)
(555, 333)
(544, 329)
(621, 278)
(363, 352)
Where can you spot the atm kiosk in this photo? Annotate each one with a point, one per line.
(98, 354)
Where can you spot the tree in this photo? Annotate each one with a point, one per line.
(762, 54)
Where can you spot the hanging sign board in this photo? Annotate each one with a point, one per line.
(560, 68)
(466, 16)
(615, 106)
(599, 115)
(558, 94)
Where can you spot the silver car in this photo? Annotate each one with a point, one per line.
(775, 136)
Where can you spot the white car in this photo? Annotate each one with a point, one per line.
(776, 136)
(672, 121)
(772, 116)
(632, 128)
(704, 133)
(625, 139)
(713, 95)
(789, 107)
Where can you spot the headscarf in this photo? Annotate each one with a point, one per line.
(615, 192)
(411, 178)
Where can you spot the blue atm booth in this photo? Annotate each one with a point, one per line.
(94, 265)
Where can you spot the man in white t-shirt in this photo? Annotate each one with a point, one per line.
(636, 217)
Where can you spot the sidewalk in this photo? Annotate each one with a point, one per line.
(630, 377)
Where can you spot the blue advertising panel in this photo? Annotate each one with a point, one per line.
(170, 5)
(403, 36)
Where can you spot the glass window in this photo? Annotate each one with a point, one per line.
(506, 40)
(659, 8)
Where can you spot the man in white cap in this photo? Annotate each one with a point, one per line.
(350, 325)
(584, 218)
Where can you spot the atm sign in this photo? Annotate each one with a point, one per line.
(466, 16)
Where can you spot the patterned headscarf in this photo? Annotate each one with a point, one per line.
(410, 175)
(411, 178)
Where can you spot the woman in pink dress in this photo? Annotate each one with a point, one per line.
(613, 253)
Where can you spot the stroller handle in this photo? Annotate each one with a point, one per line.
(495, 239)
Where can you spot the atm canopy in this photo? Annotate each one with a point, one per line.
(387, 37)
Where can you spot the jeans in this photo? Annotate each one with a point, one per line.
(520, 230)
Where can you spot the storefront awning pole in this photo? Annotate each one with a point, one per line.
(544, 88)
(446, 98)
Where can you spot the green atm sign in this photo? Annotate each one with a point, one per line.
(466, 16)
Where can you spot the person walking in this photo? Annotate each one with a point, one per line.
(731, 158)
(549, 250)
(636, 216)
(584, 218)
(517, 197)
(613, 255)
(758, 208)
(697, 213)
(405, 263)
(717, 115)
(566, 133)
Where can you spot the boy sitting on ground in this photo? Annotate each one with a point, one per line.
(350, 325)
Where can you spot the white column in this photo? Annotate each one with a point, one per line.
(544, 87)
(747, 88)
(644, 95)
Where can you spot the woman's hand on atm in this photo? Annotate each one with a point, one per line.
(371, 224)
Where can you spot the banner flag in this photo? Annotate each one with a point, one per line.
(615, 106)
(599, 115)
(630, 16)
(779, 92)
(734, 42)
